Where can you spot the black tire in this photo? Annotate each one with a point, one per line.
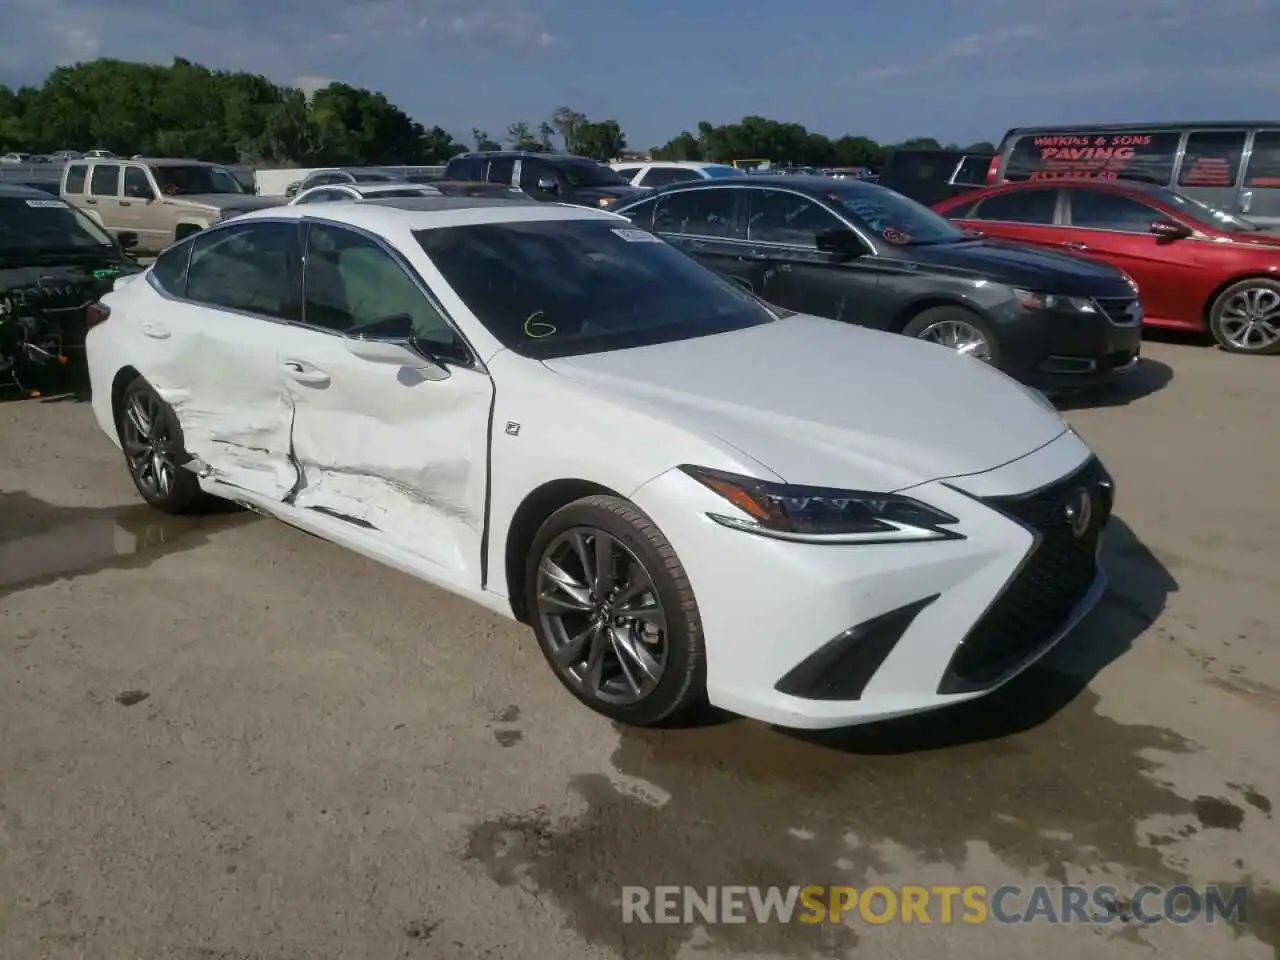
(183, 493)
(681, 687)
(922, 321)
(1218, 315)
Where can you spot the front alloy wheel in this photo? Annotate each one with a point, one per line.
(957, 329)
(614, 612)
(602, 616)
(1246, 318)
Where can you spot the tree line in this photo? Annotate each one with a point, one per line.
(188, 110)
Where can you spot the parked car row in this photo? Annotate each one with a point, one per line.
(767, 509)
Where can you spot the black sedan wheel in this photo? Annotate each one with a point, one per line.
(955, 328)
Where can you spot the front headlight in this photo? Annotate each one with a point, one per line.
(1032, 300)
(821, 514)
(607, 201)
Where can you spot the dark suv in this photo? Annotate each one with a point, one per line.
(556, 177)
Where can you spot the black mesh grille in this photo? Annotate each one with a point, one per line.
(1042, 595)
(1117, 309)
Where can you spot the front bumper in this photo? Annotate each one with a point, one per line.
(1063, 350)
(817, 636)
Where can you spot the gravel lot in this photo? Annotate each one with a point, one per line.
(223, 738)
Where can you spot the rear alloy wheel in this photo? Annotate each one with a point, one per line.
(153, 450)
(955, 328)
(614, 612)
(1246, 317)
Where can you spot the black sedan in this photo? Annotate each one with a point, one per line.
(854, 251)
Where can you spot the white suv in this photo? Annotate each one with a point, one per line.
(659, 173)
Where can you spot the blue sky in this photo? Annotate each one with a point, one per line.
(960, 70)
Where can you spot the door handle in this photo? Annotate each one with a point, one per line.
(1073, 245)
(90, 200)
(1246, 201)
(125, 203)
(304, 372)
(155, 331)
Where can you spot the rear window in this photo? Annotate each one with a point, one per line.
(1148, 157)
(76, 173)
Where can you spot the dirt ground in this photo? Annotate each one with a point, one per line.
(223, 738)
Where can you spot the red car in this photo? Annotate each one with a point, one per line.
(1196, 267)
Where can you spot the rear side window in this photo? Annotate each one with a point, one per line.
(628, 172)
(1148, 157)
(1264, 164)
(700, 213)
(169, 272)
(501, 170)
(1212, 159)
(105, 180)
(76, 174)
(1018, 206)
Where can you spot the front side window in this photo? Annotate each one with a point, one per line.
(136, 184)
(892, 217)
(1036, 207)
(778, 216)
(587, 173)
(349, 281)
(533, 172)
(185, 180)
(1264, 162)
(697, 213)
(1206, 214)
(250, 268)
(105, 181)
(568, 287)
(1100, 210)
(48, 225)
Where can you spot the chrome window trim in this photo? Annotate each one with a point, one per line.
(706, 185)
(401, 261)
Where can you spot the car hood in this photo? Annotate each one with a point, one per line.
(217, 202)
(1020, 265)
(826, 403)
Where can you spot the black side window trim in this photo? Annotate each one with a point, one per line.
(185, 245)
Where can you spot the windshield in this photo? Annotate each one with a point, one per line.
(30, 225)
(1206, 214)
(893, 218)
(562, 288)
(716, 171)
(179, 181)
(584, 173)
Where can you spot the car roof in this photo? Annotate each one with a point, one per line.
(801, 181)
(1119, 184)
(683, 164)
(428, 213)
(21, 191)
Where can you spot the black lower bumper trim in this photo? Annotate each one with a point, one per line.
(842, 667)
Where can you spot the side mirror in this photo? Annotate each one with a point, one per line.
(127, 240)
(391, 341)
(1169, 229)
(547, 185)
(840, 245)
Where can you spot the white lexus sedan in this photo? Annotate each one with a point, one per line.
(687, 494)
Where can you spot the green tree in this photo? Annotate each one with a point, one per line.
(600, 141)
(682, 147)
(483, 141)
(982, 146)
(521, 137)
(566, 121)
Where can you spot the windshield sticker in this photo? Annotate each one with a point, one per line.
(46, 203)
(636, 236)
(895, 236)
(536, 329)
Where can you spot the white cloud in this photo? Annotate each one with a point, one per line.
(309, 85)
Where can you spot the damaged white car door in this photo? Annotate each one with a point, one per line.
(384, 438)
(213, 354)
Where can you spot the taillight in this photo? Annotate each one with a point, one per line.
(993, 171)
(97, 313)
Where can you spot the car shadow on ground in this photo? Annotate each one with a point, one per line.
(1137, 594)
(1148, 377)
